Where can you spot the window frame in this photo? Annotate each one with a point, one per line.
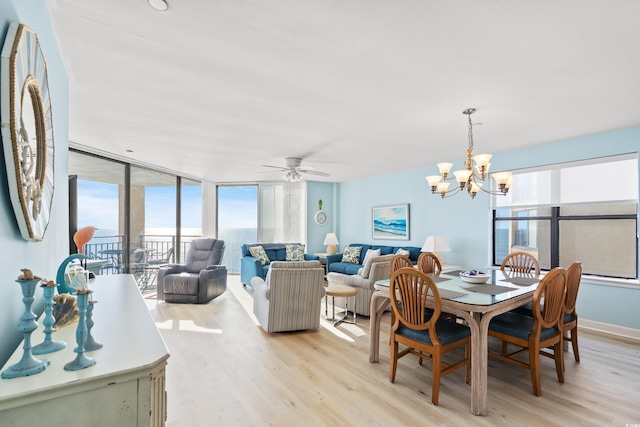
(555, 218)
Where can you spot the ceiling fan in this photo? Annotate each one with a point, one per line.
(293, 169)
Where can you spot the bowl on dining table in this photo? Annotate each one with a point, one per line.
(474, 276)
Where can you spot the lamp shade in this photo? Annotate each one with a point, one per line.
(435, 244)
(331, 239)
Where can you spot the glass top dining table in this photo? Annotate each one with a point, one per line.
(476, 303)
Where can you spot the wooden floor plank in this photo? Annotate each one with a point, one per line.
(224, 370)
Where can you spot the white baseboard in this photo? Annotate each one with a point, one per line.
(609, 329)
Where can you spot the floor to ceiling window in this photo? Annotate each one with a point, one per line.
(135, 211)
(237, 213)
(264, 212)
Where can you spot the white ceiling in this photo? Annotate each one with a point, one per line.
(215, 89)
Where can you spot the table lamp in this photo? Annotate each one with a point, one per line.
(330, 241)
(435, 244)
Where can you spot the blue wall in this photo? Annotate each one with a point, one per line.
(16, 253)
(466, 223)
(328, 193)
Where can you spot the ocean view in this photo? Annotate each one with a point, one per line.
(234, 238)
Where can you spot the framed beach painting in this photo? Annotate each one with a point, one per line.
(390, 222)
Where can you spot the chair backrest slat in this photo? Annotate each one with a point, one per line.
(399, 261)
(520, 262)
(428, 262)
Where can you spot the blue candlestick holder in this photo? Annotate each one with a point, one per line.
(81, 361)
(91, 344)
(28, 365)
(49, 345)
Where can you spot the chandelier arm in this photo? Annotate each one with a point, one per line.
(449, 193)
(494, 192)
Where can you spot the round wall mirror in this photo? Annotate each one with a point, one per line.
(27, 131)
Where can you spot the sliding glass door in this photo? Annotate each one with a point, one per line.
(144, 217)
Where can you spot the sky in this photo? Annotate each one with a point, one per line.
(98, 206)
(238, 206)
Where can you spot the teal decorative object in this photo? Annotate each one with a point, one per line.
(28, 365)
(63, 288)
(49, 345)
(91, 344)
(81, 361)
(320, 204)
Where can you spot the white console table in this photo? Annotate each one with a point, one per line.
(126, 387)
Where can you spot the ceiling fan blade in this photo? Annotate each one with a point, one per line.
(312, 172)
(275, 167)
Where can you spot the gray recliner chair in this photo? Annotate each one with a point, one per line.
(200, 279)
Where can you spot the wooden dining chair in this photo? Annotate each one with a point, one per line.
(569, 322)
(520, 262)
(399, 261)
(542, 330)
(429, 263)
(423, 333)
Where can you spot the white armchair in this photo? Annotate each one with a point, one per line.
(290, 297)
(377, 268)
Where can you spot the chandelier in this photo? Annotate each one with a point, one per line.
(469, 178)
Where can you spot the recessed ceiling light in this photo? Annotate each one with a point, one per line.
(160, 5)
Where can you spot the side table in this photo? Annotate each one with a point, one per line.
(323, 260)
(340, 291)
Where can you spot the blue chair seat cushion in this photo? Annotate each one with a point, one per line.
(182, 283)
(527, 311)
(448, 332)
(517, 325)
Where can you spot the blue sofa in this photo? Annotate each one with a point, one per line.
(335, 265)
(251, 267)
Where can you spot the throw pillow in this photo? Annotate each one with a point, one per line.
(403, 252)
(295, 252)
(368, 260)
(258, 253)
(351, 254)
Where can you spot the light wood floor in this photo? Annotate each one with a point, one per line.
(224, 370)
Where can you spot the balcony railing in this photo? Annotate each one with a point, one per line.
(156, 250)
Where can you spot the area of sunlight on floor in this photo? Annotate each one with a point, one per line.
(243, 295)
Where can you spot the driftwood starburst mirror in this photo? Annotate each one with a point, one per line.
(27, 130)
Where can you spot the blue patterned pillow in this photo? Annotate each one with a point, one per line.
(295, 252)
(403, 252)
(258, 253)
(351, 254)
